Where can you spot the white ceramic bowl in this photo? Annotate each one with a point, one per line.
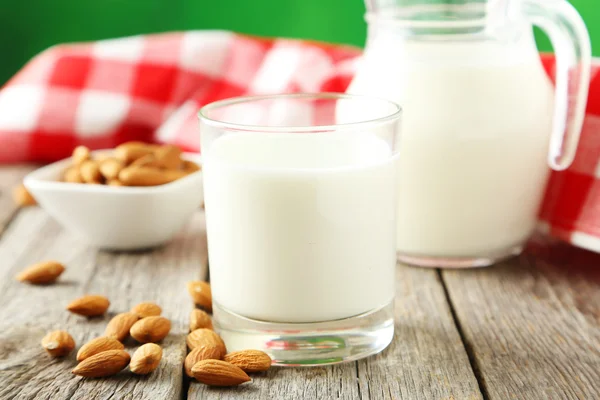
(117, 218)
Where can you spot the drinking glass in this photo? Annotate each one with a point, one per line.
(300, 202)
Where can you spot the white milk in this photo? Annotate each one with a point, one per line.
(301, 227)
(475, 132)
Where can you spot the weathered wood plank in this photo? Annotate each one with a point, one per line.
(425, 361)
(533, 323)
(28, 312)
(10, 176)
(334, 382)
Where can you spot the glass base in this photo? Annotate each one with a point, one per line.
(460, 262)
(309, 344)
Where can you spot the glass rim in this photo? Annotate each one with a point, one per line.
(204, 118)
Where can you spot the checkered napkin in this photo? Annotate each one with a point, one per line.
(571, 207)
(149, 88)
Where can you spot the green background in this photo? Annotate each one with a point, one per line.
(29, 26)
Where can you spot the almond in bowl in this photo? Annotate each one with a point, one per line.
(102, 197)
(130, 164)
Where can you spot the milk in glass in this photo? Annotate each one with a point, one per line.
(301, 226)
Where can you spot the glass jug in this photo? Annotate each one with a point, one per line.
(482, 119)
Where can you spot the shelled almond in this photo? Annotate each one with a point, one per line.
(190, 166)
(58, 343)
(98, 345)
(149, 176)
(119, 326)
(145, 359)
(200, 319)
(168, 157)
(150, 329)
(205, 337)
(130, 164)
(110, 168)
(41, 273)
(131, 151)
(89, 306)
(103, 364)
(199, 354)
(73, 175)
(201, 294)
(149, 160)
(22, 197)
(80, 154)
(219, 373)
(249, 360)
(90, 172)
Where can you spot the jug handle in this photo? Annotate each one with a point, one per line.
(569, 36)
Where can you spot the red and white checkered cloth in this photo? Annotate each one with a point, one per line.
(149, 88)
(571, 206)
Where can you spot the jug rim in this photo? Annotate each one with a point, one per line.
(474, 15)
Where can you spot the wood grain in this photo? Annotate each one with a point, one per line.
(28, 312)
(10, 176)
(425, 361)
(532, 324)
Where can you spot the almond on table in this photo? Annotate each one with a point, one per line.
(206, 338)
(249, 360)
(150, 329)
(58, 343)
(41, 273)
(201, 294)
(119, 326)
(103, 364)
(219, 373)
(199, 354)
(200, 319)
(145, 359)
(98, 345)
(89, 306)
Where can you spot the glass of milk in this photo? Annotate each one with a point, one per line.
(301, 224)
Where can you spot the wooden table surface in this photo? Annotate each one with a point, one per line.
(525, 329)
